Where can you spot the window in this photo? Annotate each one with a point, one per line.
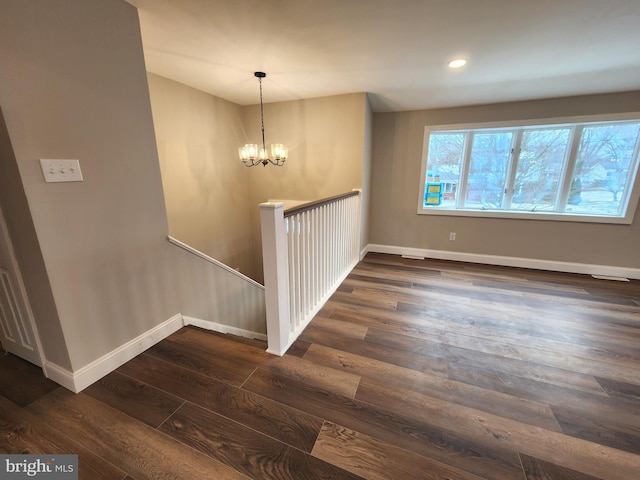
(580, 171)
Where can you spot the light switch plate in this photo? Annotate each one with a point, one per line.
(61, 170)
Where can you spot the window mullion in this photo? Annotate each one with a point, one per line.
(569, 168)
(513, 167)
(631, 179)
(464, 173)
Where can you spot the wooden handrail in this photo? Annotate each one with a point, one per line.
(318, 203)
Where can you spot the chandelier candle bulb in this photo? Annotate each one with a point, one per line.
(248, 152)
(279, 152)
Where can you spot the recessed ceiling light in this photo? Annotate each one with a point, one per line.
(457, 63)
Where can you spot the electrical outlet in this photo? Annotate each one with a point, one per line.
(452, 236)
(61, 170)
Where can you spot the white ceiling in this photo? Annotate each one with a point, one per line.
(397, 50)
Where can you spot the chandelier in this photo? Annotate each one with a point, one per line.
(251, 154)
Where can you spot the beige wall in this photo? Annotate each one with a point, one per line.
(328, 152)
(212, 199)
(397, 150)
(326, 138)
(73, 85)
(206, 188)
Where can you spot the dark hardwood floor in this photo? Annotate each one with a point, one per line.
(413, 370)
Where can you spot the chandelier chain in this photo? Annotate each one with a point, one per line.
(261, 113)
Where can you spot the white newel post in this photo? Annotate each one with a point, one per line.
(276, 276)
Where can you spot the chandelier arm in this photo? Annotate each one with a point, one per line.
(252, 162)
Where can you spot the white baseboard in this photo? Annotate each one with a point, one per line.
(218, 327)
(60, 375)
(552, 265)
(91, 373)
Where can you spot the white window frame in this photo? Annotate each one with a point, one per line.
(632, 198)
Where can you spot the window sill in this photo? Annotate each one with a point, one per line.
(513, 215)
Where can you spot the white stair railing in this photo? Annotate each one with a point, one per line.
(308, 251)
